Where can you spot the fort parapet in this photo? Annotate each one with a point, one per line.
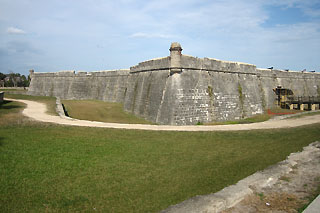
(180, 89)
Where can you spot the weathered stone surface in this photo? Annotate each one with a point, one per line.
(180, 89)
(102, 85)
(151, 65)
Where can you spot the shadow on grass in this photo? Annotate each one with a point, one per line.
(1, 141)
(5, 102)
(6, 105)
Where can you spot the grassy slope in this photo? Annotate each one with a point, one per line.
(303, 115)
(100, 111)
(257, 118)
(61, 168)
(113, 112)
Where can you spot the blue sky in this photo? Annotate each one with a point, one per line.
(91, 35)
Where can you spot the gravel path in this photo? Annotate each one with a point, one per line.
(37, 111)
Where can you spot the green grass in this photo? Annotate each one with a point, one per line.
(253, 119)
(100, 111)
(10, 113)
(10, 107)
(45, 167)
(305, 114)
(281, 110)
(113, 112)
(261, 117)
(49, 101)
(14, 91)
(5, 90)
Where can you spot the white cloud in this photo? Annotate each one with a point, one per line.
(297, 32)
(14, 30)
(150, 35)
(308, 7)
(228, 29)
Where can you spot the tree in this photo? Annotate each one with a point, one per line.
(2, 76)
(8, 83)
(23, 81)
(14, 80)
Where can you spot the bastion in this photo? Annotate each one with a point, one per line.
(180, 89)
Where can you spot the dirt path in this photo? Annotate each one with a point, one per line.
(37, 111)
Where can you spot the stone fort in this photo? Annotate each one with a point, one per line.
(180, 89)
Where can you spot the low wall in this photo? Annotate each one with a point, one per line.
(1, 97)
(198, 90)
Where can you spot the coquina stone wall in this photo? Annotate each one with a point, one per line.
(180, 89)
(103, 85)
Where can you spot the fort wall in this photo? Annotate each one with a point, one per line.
(103, 85)
(180, 89)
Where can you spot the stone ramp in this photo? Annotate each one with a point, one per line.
(232, 195)
(314, 207)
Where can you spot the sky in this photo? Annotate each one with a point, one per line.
(92, 35)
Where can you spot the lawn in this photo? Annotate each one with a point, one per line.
(270, 113)
(45, 167)
(19, 90)
(94, 110)
(12, 89)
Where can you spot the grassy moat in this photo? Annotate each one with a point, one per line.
(56, 168)
(95, 110)
(100, 111)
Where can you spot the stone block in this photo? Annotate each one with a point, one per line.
(291, 106)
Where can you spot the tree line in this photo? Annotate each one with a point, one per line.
(14, 80)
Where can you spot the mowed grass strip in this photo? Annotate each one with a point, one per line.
(19, 89)
(259, 117)
(45, 167)
(254, 119)
(95, 110)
